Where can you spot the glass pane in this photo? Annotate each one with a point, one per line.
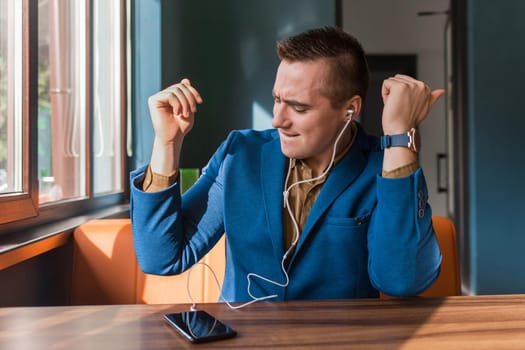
(62, 99)
(107, 91)
(10, 96)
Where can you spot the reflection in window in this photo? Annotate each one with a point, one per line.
(62, 99)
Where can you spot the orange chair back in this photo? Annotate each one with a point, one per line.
(105, 270)
(449, 280)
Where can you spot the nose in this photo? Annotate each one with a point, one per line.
(279, 116)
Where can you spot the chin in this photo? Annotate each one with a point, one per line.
(293, 149)
(291, 153)
(287, 152)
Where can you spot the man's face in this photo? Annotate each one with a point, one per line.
(305, 119)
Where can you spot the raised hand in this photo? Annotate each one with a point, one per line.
(407, 102)
(172, 111)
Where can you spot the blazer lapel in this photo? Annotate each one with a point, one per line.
(272, 184)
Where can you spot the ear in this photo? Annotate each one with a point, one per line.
(354, 104)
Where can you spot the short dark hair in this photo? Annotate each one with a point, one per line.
(344, 54)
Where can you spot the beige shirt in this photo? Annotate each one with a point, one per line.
(155, 182)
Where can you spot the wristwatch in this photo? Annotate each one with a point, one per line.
(407, 139)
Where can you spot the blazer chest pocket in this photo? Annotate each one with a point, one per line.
(358, 222)
(345, 236)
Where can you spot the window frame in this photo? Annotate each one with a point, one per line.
(22, 210)
(18, 206)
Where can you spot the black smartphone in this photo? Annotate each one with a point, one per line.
(199, 326)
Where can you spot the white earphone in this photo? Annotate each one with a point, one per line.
(349, 113)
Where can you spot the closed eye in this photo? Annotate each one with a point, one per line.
(297, 106)
(300, 109)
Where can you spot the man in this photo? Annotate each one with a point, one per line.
(313, 209)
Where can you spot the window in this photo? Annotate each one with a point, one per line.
(17, 198)
(62, 106)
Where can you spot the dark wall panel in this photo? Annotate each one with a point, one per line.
(44, 280)
(496, 71)
(227, 49)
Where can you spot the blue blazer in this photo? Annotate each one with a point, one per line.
(364, 234)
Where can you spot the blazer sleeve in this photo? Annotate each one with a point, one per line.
(404, 255)
(172, 232)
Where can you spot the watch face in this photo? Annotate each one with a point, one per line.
(413, 140)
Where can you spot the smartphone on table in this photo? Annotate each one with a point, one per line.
(199, 326)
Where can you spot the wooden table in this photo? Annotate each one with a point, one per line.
(481, 322)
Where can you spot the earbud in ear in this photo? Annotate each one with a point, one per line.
(349, 114)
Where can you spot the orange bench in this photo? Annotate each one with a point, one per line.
(105, 269)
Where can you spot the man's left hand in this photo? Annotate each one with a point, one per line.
(407, 102)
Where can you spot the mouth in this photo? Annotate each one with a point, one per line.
(287, 134)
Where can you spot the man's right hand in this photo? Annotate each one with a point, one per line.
(172, 111)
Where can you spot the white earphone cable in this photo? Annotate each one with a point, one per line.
(287, 190)
(292, 246)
